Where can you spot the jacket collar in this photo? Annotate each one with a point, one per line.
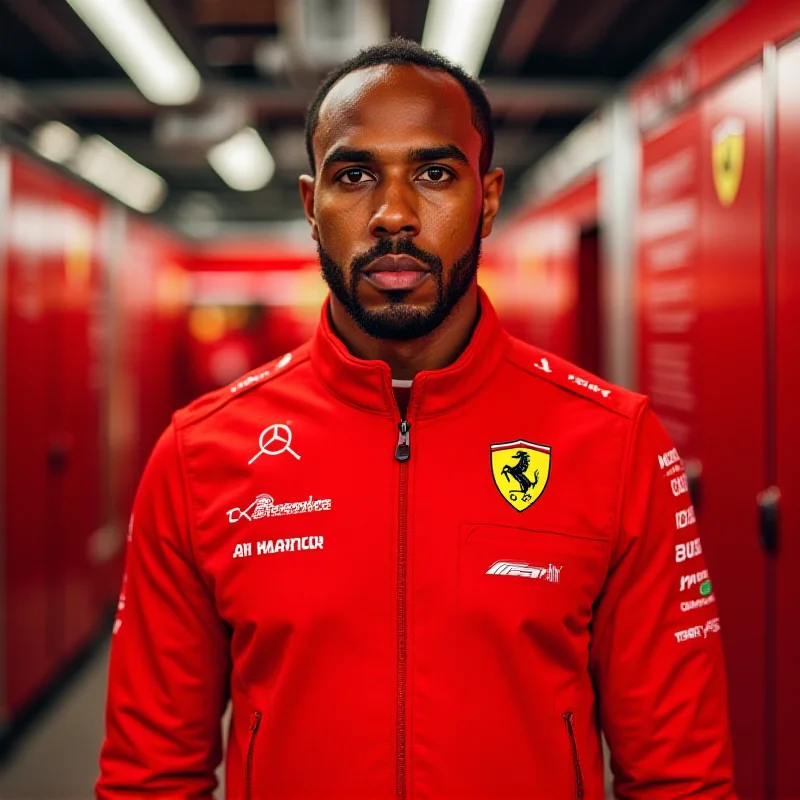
(368, 384)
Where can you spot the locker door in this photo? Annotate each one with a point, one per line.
(27, 426)
(667, 275)
(788, 420)
(730, 418)
(77, 411)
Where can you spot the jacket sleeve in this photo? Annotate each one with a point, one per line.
(168, 677)
(656, 653)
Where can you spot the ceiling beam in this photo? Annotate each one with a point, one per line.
(523, 33)
(590, 29)
(534, 96)
(120, 98)
(48, 27)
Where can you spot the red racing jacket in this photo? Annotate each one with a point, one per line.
(450, 606)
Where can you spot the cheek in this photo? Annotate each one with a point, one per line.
(338, 229)
(452, 228)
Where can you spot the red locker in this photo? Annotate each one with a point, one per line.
(731, 398)
(78, 345)
(28, 430)
(788, 420)
(147, 291)
(537, 265)
(667, 275)
(54, 346)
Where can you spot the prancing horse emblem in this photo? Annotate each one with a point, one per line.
(520, 470)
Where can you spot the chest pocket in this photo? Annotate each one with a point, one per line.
(542, 581)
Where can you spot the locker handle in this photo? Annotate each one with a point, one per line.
(58, 453)
(769, 518)
(693, 468)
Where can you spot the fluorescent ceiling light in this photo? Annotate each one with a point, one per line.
(461, 30)
(243, 161)
(134, 35)
(107, 167)
(55, 141)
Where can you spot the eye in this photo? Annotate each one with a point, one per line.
(437, 175)
(353, 176)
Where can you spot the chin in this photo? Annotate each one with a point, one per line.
(401, 321)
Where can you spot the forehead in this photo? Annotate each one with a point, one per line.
(405, 104)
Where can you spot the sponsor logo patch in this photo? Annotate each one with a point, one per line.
(264, 506)
(688, 550)
(269, 546)
(520, 470)
(669, 459)
(727, 158)
(702, 602)
(688, 581)
(679, 485)
(592, 387)
(274, 441)
(698, 631)
(551, 574)
(685, 518)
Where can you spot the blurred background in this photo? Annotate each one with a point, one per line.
(152, 247)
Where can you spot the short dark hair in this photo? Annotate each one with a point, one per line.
(404, 51)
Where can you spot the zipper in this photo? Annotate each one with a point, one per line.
(248, 778)
(576, 761)
(402, 453)
(403, 450)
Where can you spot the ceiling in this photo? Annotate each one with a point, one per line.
(550, 63)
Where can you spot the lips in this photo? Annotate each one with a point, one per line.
(394, 264)
(396, 273)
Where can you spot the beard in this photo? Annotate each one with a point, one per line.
(400, 320)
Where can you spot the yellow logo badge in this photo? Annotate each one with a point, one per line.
(727, 158)
(520, 470)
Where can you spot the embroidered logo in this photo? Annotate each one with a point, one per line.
(265, 506)
(516, 569)
(520, 470)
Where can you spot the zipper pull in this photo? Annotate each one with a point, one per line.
(403, 450)
(254, 725)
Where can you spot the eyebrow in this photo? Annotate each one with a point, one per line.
(440, 153)
(348, 154)
(417, 155)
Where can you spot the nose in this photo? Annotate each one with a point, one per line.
(396, 211)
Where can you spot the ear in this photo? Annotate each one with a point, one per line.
(307, 196)
(492, 189)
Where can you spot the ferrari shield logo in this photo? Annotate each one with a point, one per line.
(727, 158)
(520, 470)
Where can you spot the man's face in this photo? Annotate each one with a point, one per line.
(398, 207)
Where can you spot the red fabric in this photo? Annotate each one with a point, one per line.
(375, 657)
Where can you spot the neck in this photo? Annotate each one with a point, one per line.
(437, 350)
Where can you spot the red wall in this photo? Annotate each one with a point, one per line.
(53, 382)
(533, 267)
(251, 302)
(717, 54)
(91, 313)
(731, 410)
(787, 422)
(704, 279)
(666, 286)
(702, 322)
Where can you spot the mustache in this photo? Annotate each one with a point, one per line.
(396, 247)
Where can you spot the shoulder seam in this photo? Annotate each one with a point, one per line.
(188, 499)
(588, 397)
(233, 395)
(633, 432)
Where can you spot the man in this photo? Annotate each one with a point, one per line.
(419, 558)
